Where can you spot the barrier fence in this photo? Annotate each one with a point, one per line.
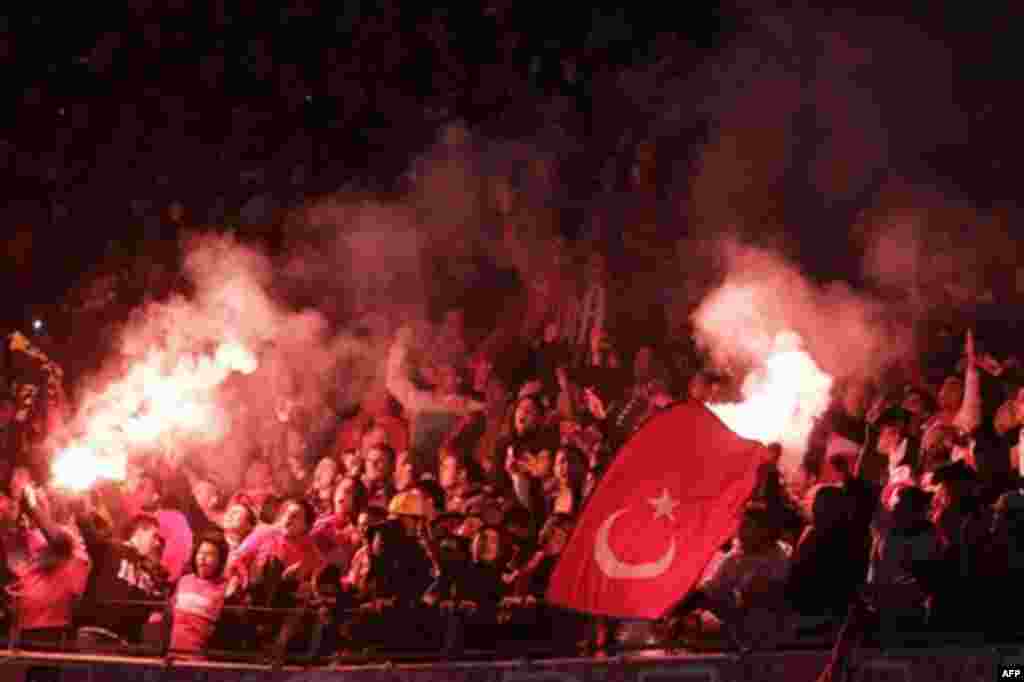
(25, 661)
(867, 666)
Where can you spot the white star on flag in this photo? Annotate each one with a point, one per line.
(664, 505)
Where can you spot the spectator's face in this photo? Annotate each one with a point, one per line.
(293, 520)
(353, 463)
(344, 497)
(377, 544)
(404, 472)
(325, 474)
(543, 464)
(569, 432)
(526, 417)
(8, 511)
(206, 494)
(363, 525)
(470, 526)
(378, 466)
(449, 379)
(594, 403)
(889, 439)
(450, 473)
(913, 404)
(237, 519)
(147, 541)
(486, 546)
(374, 438)
(951, 394)
(208, 561)
(21, 478)
(562, 466)
(1018, 404)
(159, 544)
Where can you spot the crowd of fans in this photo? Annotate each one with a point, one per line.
(432, 517)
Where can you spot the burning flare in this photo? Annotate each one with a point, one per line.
(163, 399)
(782, 398)
(78, 468)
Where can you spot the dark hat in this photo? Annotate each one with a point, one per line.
(955, 472)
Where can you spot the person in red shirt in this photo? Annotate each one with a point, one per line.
(283, 560)
(336, 535)
(199, 598)
(44, 595)
(286, 540)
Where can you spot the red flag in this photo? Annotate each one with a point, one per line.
(672, 497)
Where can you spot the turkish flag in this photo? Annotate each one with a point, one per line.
(671, 498)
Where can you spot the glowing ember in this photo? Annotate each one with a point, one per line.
(782, 398)
(163, 398)
(79, 468)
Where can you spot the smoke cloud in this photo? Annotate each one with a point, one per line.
(785, 338)
(208, 369)
(763, 295)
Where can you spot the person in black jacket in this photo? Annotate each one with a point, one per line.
(122, 572)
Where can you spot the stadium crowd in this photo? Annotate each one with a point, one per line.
(431, 518)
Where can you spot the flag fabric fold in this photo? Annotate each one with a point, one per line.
(671, 497)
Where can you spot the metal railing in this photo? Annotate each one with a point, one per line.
(160, 652)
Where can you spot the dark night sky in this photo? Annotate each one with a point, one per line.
(157, 101)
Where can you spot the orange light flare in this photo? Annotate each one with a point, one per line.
(78, 468)
(163, 398)
(782, 399)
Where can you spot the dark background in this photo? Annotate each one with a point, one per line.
(211, 103)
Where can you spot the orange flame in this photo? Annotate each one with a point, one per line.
(162, 398)
(782, 398)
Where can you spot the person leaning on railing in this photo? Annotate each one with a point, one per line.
(123, 573)
(199, 597)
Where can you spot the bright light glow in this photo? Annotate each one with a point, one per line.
(79, 468)
(163, 399)
(237, 358)
(782, 398)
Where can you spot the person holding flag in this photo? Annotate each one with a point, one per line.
(674, 494)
